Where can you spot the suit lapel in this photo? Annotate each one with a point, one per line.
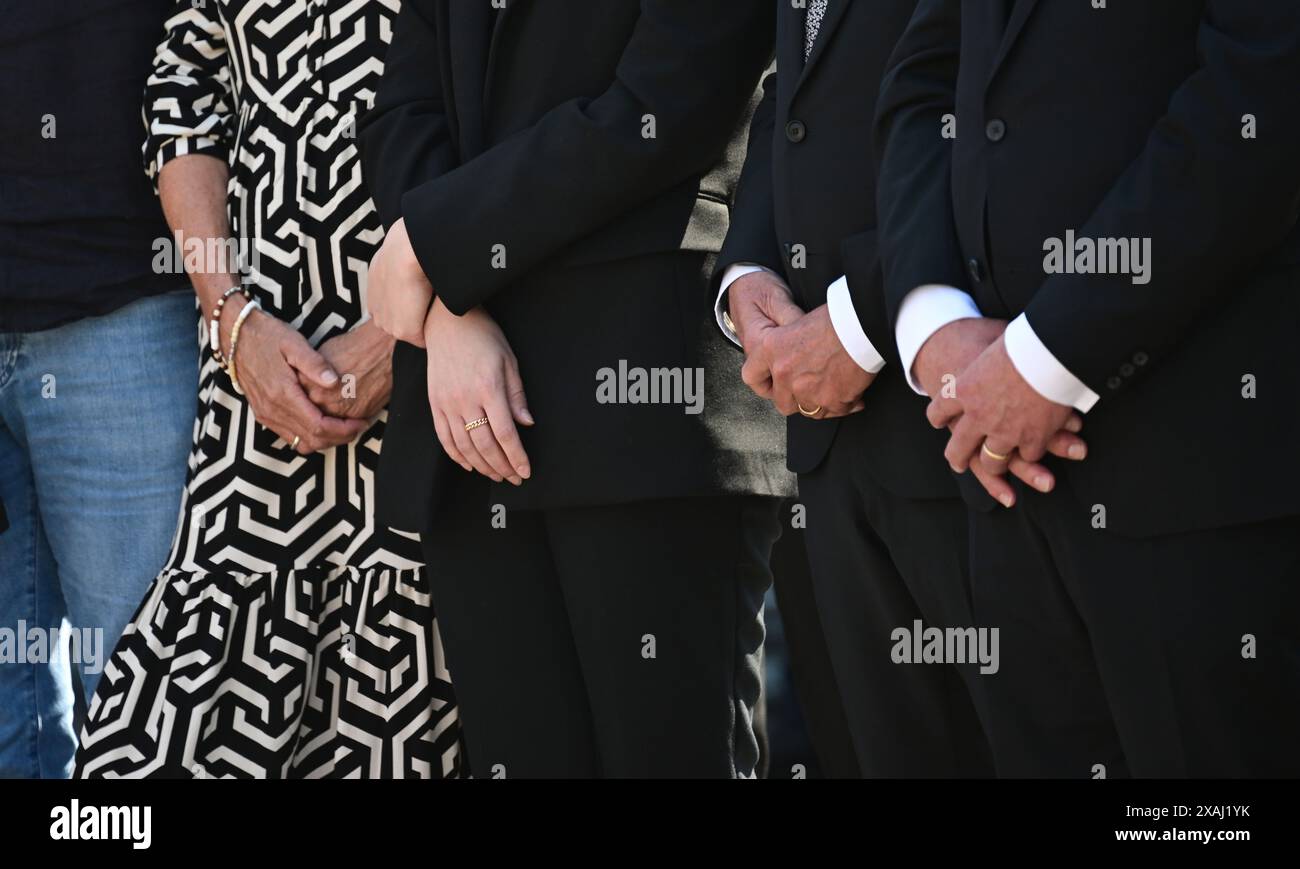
(834, 14)
(469, 36)
(494, 49)
(789, 49)
(1019, 15)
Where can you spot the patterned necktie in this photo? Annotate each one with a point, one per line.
(813, 24)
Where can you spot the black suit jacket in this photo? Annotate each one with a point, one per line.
(570, 166)
(1124, 122)
(809, 181)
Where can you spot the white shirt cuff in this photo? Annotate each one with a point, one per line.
(1042, 370)
(848, 328)
(733, 273)
(924, 311)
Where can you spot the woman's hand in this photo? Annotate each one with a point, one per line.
(397, 292)
(363, 358)
(270, 361)
(473, 374)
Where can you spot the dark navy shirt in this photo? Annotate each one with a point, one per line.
(78, 217)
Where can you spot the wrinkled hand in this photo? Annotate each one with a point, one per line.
(363, 359)
(758, 303)
(809, 367)
(951, 349)
(991, 404)
(272, 362)
(938, 367)
(397, 292)
(473, 374)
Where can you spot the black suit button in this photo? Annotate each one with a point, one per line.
(996, 130)
(976, 270)
(1140, 359)
(1113, 383)
(1127, 370)
(796, 132)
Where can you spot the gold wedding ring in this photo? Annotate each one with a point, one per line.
(992, 455)
(478, 423)
(297, 439)
(811, 414)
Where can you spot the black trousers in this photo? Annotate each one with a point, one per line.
(1170, 656)
(614, 641)
(811, 672)
(881, 562)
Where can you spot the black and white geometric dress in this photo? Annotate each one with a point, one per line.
(287, 636)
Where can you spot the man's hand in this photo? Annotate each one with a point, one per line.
(951, 349)
(398, 294)
(758, 303)
(938, 368)
(811, 368)
(999, 423)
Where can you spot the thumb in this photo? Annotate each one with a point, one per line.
(784, 312)
(309, 364)
(779, 308)
(515, 395)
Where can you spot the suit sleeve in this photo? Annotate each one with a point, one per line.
(406, 138)
(861, 256)
(683, 83)
(1211, 200)
(917, 233)
(752, 235)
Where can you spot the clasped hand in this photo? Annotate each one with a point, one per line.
(999, 424)
(476, 394)
(312, 399)
(793, 359)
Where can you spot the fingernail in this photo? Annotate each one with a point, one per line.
(1008, 501)
(528, 417)
(525, 471)
(1078, 451)
(328, 377)
(515, 481)
(1043, 483)
(496, 478)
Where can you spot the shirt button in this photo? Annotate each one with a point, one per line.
(796, 132)
(1127, 370)
(1140, 359)
(1113, 383)
(996, 130)
(976, 270)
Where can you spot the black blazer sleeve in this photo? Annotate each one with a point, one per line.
(752, 235)
(692, 67)
(917, 233)
(1212, 201)
(406, 138)
(861, 256)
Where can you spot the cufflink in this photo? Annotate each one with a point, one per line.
(726, 321)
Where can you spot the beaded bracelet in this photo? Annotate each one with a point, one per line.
(214, 325)
(234, 342)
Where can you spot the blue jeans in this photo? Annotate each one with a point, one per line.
(95, 427)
